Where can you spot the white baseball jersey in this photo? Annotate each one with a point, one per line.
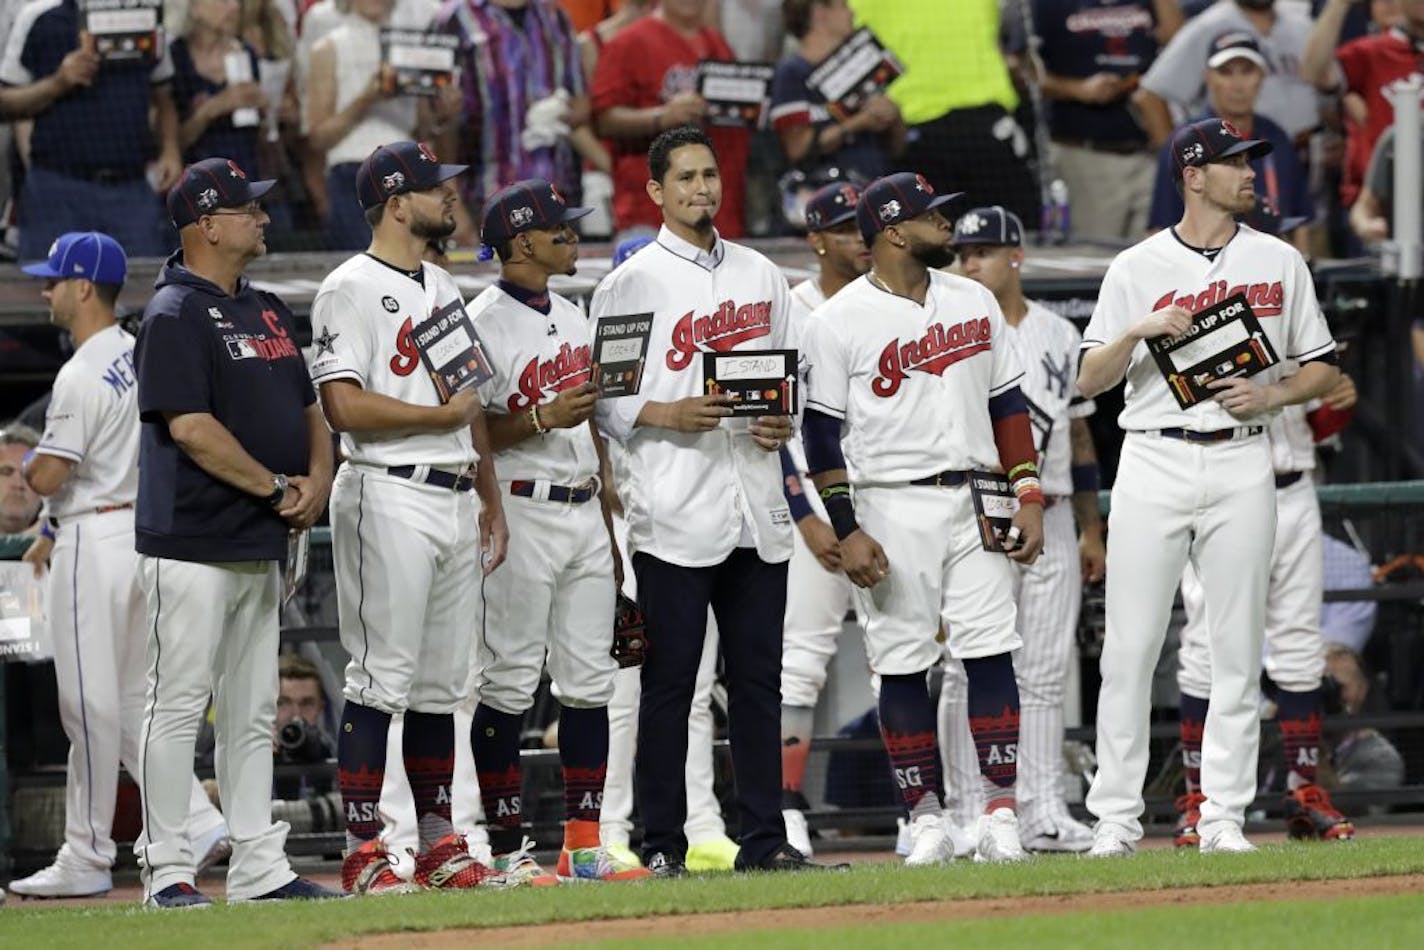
(535, 357)
(1161, 271)
(1292, 440)
(93, 421)
(691, 498)
(805, 298)
(361, 330)
(1048, 345)
(912, 383)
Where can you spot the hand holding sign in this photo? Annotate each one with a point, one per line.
(770, 432)
(571, 407)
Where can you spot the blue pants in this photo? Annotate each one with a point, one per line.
(346, 228)
(52, 204)
(748, 597)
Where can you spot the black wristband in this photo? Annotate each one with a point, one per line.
(840, 509)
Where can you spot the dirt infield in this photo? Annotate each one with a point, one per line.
(674, 927)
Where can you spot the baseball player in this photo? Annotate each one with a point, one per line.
(904, 407)
(233, 457)
(818, 595)
(990, 244)
(707, 523)
(1195, 484)
(407, 533)
(556, 593)
(87, 465)
(1295, 648)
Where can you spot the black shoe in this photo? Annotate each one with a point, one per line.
(300, 889)
(787, 858)
(794, 801)
(666, 866)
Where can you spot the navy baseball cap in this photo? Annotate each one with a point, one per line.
(526, 205)
(1211, 140)
(994, 224)
(896, 198)
(831, 205)
(399, 168)
(1237, 44)
(86, 255)
(209, 185)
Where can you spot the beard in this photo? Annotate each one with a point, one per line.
(1256, 4)
(428, 229)
(933, 256)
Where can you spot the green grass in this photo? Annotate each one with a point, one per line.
(96, 928)
(1377, 922)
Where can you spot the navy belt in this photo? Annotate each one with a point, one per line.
(558, 493)
(434, 476)
(1287, 479)
(946, 479)
(1216, 435)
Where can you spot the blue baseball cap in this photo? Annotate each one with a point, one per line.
(993, 224)
(398, 168)
(896, 198)
(1210, 140)
(629, 246)
(831, 205)
(526, 205)
(86, 255)
(209, 185)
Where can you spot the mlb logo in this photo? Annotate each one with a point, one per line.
(241, 349)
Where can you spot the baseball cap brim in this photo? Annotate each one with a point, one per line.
(847, 215)
(1222, 57)
(939, 201)
(573, 214)
(41, 269)
(446, 172)
(1254, 148)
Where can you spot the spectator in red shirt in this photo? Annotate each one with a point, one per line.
(1364, 67)
(646, 82)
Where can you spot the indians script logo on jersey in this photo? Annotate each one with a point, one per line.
(937, 350)
(570, 368)
(722, 330)
(1266, 300)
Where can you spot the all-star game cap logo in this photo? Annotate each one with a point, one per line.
(392, 181)
(1193, 153)
(207, 199)
(521, 217)
(890, 210)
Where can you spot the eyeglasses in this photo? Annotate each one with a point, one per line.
(250, 210)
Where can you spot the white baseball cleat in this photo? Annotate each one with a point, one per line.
(1065, 834)
(1111, 841)
(1224, 837)
(998, 838)
(903, 844)
(798, 833)
(211, 847)
(963, 839)
(929, 843)
(60, 880)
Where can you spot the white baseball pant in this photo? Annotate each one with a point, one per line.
(939, 571)
(96, 622)
(212, 630)
(1214, 505)
(407, 562)
(1295, 648)
(816, 604)
(552, 596)
(1049, 594)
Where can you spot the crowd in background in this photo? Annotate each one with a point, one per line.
(574, 90)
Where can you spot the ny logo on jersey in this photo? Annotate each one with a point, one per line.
(721, 331)
(1265, 300)
(571, 367)
(932, 353)
(1057, 376)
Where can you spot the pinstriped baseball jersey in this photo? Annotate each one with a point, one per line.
(361, 330)
(535, 357)
(1162, 270)
(912, 383)
(1048, 345)
(93, 421)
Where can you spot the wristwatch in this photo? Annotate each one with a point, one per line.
(279, 490)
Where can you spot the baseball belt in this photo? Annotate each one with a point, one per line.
(575, 495)
(1215, 435)
(434, 476)
(101, 510)
(1287, 479)
(947, 479)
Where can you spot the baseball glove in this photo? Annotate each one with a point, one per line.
(630, 643)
